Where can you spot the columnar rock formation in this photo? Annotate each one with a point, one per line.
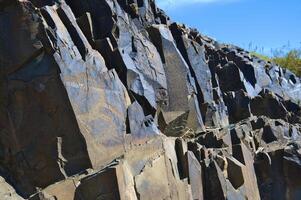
(109, 99)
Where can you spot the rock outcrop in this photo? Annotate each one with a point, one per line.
(109, 99)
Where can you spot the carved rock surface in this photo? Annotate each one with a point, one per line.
(109, 99)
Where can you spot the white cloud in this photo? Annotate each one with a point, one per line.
(165, 4)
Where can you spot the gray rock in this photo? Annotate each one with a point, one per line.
(112, 100)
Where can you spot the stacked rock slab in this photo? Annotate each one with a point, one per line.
(109, 99)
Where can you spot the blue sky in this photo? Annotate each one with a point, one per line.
(267, 24)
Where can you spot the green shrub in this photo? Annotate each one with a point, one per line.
(290, 60)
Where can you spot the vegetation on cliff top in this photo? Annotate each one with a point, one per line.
(290, 60)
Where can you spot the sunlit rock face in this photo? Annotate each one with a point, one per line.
(109, 99)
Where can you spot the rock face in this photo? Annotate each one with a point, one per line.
(108, 99)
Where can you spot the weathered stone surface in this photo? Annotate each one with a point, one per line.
(195, 176)
(102, 185)
(61, 190)
(238, 104)
(112, 100)
(176, 69)
(7, 192)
